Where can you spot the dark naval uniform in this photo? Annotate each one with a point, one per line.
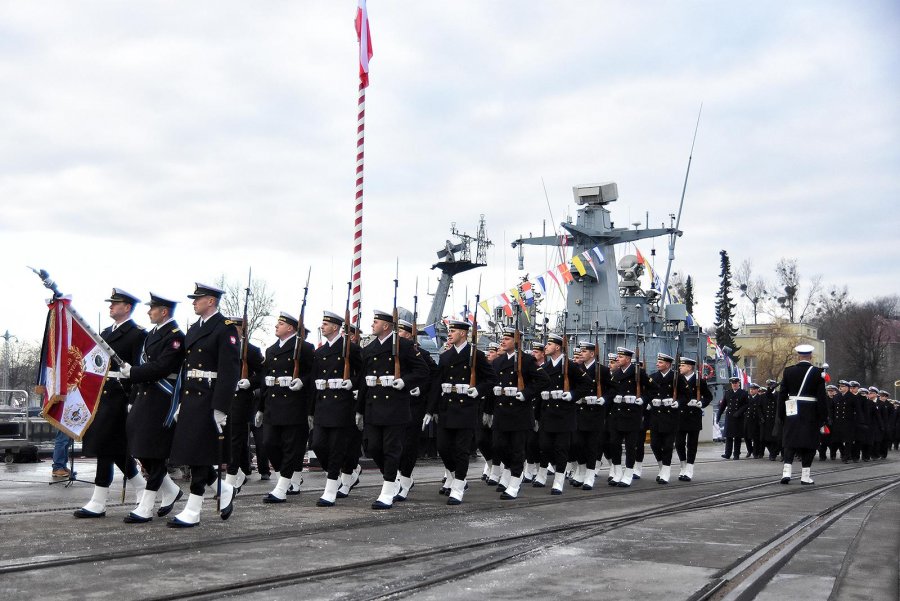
(285, 411)
(386, 410)
(771, 433)
(862, 427)
(211, 369)
(334, 408)
(106, 438)
(661, 400)
(753, 424)
(690, 419)
(841, 420)
(241, 414)
(591, 428)
(514, 419)
(733, 406)
(151, 423)
(458, 413)
(802, 410)
(559, 417)
(626, 419)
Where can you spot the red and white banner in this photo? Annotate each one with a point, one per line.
(74, 364)
(365, 42)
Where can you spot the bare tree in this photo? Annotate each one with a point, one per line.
(259, 306)
(753, 288)
(788, 296)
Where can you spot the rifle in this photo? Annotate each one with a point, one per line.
(301, 328)
(565, 350)
(473, 356)
(598, 372)
(699, 364)
(517, 340)
(415, 315)
(637, 367)
(245, 334)
(396, 324)
(677, 363)
(347, 332)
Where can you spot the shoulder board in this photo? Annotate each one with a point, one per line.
(175, 330)
(540, 368)
(229, 322)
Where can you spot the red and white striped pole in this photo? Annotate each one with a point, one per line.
(356, 274)
(365, 53)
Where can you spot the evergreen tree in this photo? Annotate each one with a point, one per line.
(725, 329)
(689, 295)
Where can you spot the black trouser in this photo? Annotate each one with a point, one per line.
(686, 445)
(354, 450)
(201, 477)
(509, 448)
(662, 443)
(384, 444)
(330, 446)
(286, 446)
(630, 438)
(862, 448)
(806, 456)
(587, 448)
(104, 476)
(733, 443)
(262, 457)
(533, 448)
(156, 472)
(453, 447)
(411, 447)
(240, 447)
(554, 448)
(774, 448)
(754, 440)
(486, 442)
(841, 446)
(639, 449)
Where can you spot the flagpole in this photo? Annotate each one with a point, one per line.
(356, 275)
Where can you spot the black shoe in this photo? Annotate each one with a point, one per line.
(164, 510)
(491, 482)
(500, 488)
(84, 513)
(270, 498)
(507, 497)
(452, 501)
(444, 490)
(133, 518)
(265, 476)
(484, 477)
(225, 512)
(736, 457)
(683, 478)
(587, 487)
(176, 523)
(772, 457)
(726, 456)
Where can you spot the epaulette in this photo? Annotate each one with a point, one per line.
(230, 322)
(176, 330)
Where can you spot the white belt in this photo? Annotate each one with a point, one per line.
(201, 375)
(802, 398)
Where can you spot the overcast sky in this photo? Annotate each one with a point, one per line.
(151, 145)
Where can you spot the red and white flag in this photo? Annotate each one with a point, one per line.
(365, 43)
(74, 363)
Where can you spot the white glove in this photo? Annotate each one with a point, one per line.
(359, 421)
(270, 380)
(309, 421)
(657, 402)
(128, 408)
(175, 415)
(257, 419)
(617, 399)
(537, 425)
(426, 420)
(601, 401)
(295, 385)
(125, 370)
(491, 421)
(355, 395)
(566, 396)
(485, 419)
(415, 391)
(822, 430)
(472, 393)
(220, 418)
(590, 399)
(244, 384)
(498, 391)
(347, 384)
(520, 396)
(545, 394)
(639, 401)
(398, 384)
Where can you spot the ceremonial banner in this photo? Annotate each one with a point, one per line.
(74, 363)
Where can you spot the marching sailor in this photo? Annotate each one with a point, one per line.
(690, 420)
(663, 405)
(106, 439)
(383, 407)
(209, 376)
(241, 413)
(733, 406)
(626, 414)
(151, 423)
(591, 428)
(802, 410)
(456, 408)
(285, 406)
(334, 406)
